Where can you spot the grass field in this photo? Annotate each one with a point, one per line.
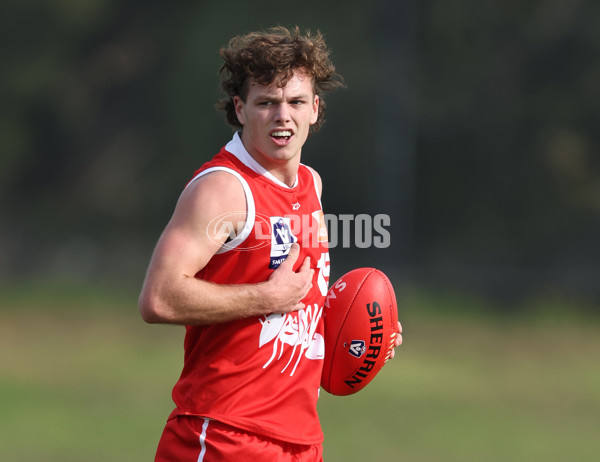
(82, 378)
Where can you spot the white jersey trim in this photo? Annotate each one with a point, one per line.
(237, 148)
(315, 183)
(250, 212)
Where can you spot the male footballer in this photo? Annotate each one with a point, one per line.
(244, 265)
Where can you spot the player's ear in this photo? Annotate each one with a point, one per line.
(238, 103)
(315, 110)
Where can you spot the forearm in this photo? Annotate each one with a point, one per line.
(191, 301)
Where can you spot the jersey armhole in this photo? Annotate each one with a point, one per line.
(315, 183)
(250, 208)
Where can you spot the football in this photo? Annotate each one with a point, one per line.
(361, 324)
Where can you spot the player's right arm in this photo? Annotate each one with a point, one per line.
(171, 294)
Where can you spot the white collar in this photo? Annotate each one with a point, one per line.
(237, 148)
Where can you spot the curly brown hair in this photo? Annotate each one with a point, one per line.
(272, 57)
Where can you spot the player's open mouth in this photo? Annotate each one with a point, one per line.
(281, 137)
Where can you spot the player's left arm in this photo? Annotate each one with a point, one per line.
(318, 181)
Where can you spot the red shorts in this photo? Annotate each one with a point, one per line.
(196, 439)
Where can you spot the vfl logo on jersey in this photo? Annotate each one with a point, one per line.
(357, 348)
(281, 240)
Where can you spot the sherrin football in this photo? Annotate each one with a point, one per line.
(361, 324)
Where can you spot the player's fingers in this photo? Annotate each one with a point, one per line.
(306, 272)
(305, 267)
(291, 257)
(399, 335)
(308, 284)
(398, 340)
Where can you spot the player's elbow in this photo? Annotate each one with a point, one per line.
(152, 309)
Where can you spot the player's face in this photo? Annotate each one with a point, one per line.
(276, 120)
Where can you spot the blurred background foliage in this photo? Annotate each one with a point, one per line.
(473, 124)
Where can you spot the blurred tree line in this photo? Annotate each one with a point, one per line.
(473, 124)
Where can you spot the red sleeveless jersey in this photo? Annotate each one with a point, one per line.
(262, 374)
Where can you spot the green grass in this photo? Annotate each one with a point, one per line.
(82, 378)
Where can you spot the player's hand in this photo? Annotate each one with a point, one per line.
(398, 340)
(286, 286)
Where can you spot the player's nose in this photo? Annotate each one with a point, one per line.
(282, 113)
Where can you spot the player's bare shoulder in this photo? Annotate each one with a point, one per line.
(218, 187)
(210, 199)
(318, 181)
